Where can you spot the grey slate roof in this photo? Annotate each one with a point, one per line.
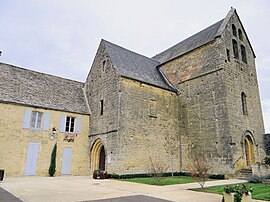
(135, 66)
(27, 87)
(201, 38)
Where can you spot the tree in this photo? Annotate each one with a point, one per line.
(157, 168)
(199, 168)
(53, 161)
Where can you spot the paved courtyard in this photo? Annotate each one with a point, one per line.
(84, 188)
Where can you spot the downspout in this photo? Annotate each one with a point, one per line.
(180, 134)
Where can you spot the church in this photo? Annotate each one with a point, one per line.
(200, 96)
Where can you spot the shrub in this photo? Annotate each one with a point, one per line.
(255, 179)
(98, 174)
(238, 190)
(267, 160)
(53, 161)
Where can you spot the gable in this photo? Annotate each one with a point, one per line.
(135, 66)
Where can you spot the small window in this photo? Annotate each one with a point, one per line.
(70, 124)
(228, 55)
(101, 107)
(243, 54)
(234, 30)
(235, 49)
(240, 35)
(36, 119)
(153, 108)
(244, 103)
(104, 65)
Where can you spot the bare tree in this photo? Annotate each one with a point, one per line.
(157, 168)
(199, 168)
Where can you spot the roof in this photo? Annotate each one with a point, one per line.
(135, 66)
(27, 87)
(201, 38)
(197, 40)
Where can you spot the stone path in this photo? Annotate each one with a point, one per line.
(83, 188)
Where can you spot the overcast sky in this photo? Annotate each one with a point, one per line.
(61, 37)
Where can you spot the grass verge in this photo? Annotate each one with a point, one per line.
(260, 191)
(164, 181)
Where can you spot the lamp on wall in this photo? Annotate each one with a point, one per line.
(53, 130)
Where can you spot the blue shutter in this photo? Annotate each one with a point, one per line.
(78, 125)
(62, 124)
(26, 118)
(46, 125)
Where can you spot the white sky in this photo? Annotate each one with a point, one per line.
(61, 37)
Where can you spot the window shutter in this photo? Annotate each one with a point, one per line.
(78, 125)
(46, 125)
(62, 124)
(26, 118)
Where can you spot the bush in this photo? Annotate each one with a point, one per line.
(53, 161)
(98, 174)
(255, 179)
(267, 160)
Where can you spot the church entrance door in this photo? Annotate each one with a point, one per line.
(249, 149)
(98, 156)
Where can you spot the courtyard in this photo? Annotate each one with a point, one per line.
(84, 188)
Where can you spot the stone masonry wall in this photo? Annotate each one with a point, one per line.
(148, 128)
(102, 84)
(241, 77)
(15, 139)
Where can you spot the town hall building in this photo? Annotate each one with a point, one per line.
(200, 96)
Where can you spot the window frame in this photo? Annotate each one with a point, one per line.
(36, 120)
(235, 49)
(70, 125)
(243, 53)
(234, 31)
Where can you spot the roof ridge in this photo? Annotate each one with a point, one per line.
(130, 51)
(35, 71)
(188, 39)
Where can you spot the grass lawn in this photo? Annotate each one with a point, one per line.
(260, 191)
(164, 181)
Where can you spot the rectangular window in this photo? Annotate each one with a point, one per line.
(36, 118)
(101, 107)
(153, 108)
(70, 123)
(228, 55)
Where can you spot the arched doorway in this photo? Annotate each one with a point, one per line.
(98, 156)
(249, 150)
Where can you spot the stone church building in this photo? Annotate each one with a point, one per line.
(200, 96)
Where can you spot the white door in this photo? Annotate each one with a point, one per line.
(66, 161)
(31, 158)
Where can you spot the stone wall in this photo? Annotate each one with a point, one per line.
(103, 84)
(210, 85)
(241, 77)
(148, 128)
(15, 139)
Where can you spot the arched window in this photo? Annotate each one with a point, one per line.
(235, 49)
(244, 103)
(243, 54)
(240, 35)
(234, 30)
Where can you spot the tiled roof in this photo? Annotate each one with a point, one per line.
(201, 38)
(27, 87)
(135, 66)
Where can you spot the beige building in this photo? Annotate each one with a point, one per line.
(199, 96)
(35, 116)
